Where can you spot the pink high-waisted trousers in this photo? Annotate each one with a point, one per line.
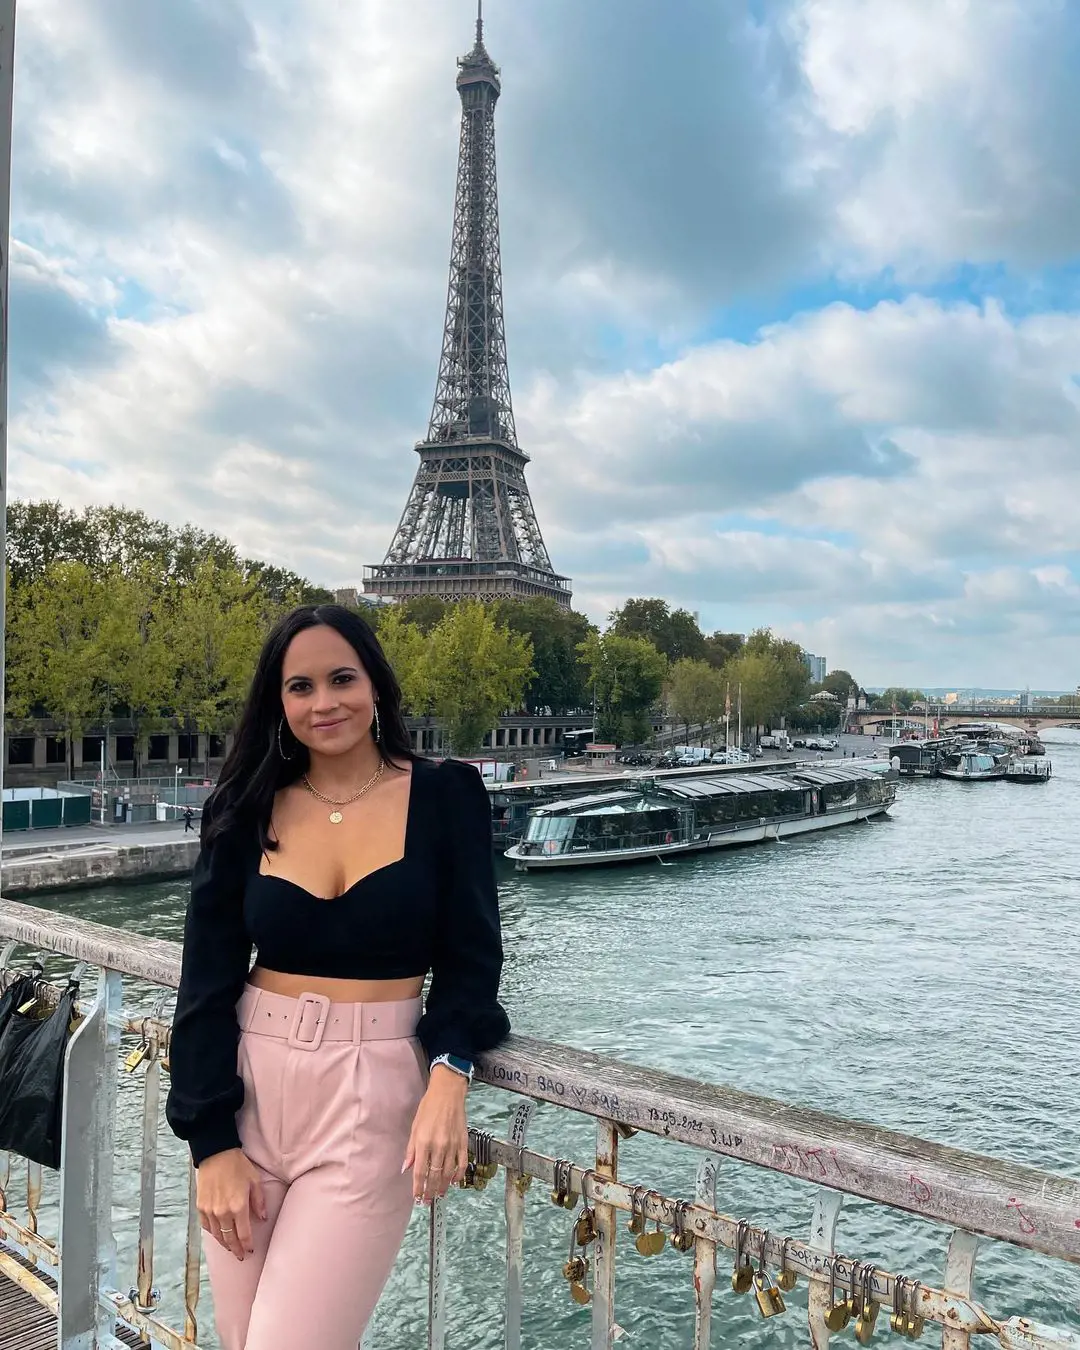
(330, 1092)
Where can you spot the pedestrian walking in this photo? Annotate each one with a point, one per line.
(319, 1096)
(189, 819)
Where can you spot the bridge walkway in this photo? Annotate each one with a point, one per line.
(25, 1324)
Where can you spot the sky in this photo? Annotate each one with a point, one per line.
(792, 297)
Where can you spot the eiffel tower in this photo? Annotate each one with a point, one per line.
(469, 530)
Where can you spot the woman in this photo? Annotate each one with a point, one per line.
(317, 1101)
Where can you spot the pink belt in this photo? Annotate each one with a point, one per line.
(307, 1021)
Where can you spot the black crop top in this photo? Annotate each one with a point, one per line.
(436, 909)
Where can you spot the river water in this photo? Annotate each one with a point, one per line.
(919, 972)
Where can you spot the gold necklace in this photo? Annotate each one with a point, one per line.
(335, 815)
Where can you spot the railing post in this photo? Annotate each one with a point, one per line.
(88, 1261)
(437, 1276)
(603, 1310)
(515, 1229)
(823, 1239)
(704, 1254)
(959, 1279)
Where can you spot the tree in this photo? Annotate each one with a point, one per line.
(406, 648)
(626, 676)
(134, 652)
(476, 669)
(559, 680)
(901, 699)
(721, 647)
(54, 658)
(695, 692)
(425, 611)
(758, 678)
(675, 633)
(791, 673)
(840, 683)
(215, 627)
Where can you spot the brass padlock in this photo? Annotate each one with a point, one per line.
(585, 1228)
(898, 1319)
(786, 1278)
(742, 1276)
(522, 1182)
(682, 1239)
(561, 1186)
(132, 1061)
(868, 1311)
(769, 1299)
(636, 1222)
(838, 1314)
(915, 1325)
(575, 1270)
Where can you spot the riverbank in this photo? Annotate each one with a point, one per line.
(58, 860)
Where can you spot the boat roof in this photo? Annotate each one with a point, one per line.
(836, 773)
(593, 799)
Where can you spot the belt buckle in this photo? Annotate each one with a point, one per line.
(305, 1001)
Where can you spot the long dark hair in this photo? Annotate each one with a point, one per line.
(255, 769)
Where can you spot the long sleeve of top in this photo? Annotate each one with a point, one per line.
(206, 1090)
(462, 1015)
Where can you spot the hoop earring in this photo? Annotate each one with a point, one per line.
(280, 747)
(378, 726)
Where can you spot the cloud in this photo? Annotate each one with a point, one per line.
(230, 235)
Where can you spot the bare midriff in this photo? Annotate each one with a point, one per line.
(337, 991)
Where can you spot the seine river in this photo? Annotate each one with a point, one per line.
(919, 972)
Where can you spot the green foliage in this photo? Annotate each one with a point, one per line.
(901, 699)
(215, 625)
(792, 676)
(54, 653)
(814, 717)
(760, 678)
(840, 683)
(626, 675)
(674, 633)
(405, 646)
(721, 647)
(475, 670)
(136, 658)
(425, 611)
(559, 680)
(695, 692)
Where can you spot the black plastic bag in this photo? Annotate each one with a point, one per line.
(32, 1076)
(14, 996)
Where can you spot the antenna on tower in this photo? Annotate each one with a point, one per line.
(479, 23)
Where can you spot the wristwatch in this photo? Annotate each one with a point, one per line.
(456, 1064)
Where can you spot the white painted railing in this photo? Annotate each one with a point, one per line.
(975, 1196)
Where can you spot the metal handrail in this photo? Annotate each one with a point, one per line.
(974, 1195)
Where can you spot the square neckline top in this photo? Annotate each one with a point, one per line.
(376, 871)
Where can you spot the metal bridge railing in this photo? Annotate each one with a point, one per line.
(973, 1195)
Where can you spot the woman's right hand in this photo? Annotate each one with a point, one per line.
(228, 1193)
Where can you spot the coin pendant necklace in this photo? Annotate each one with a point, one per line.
(335, 815)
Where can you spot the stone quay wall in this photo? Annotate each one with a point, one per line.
(72, 868)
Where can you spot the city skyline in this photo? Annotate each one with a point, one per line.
(793, 322)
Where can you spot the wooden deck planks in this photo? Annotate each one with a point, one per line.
(26, 1325)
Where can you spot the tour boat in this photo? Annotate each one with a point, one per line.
(974, 766)
(1029, 771)
(656, 819)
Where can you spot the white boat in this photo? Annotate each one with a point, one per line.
(974, 766)
(656, 819)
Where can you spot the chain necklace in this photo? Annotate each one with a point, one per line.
(335, 815)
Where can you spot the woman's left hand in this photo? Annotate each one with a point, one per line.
(439, 1142)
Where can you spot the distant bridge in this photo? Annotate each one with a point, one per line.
(1038, 719)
